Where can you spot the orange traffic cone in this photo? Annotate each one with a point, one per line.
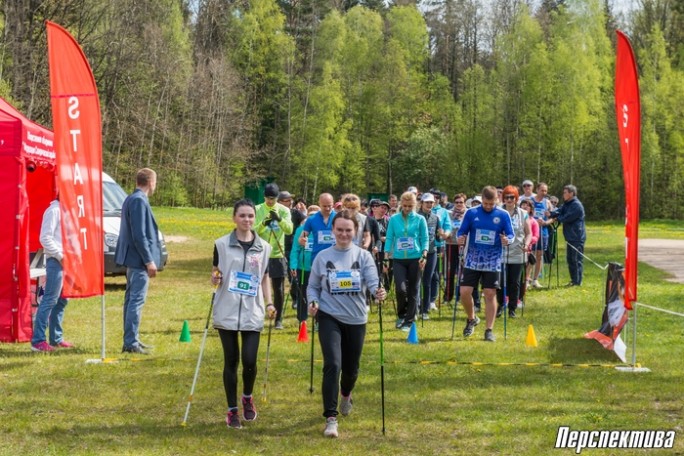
(303, 333)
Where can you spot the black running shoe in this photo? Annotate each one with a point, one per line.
(470, 326)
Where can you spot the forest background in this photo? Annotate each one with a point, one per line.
(366, 96)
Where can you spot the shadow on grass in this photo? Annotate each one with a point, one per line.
(115, 287)
(579, 351)
(194, 266)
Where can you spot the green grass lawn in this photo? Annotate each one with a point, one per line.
(57, 404)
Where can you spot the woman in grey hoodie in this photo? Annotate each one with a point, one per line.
(339, 278)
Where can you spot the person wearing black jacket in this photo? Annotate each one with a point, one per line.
(571, 215)
(297, 216)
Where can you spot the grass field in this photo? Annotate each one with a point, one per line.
(56, 404)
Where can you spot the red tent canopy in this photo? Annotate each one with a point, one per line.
(27, 185)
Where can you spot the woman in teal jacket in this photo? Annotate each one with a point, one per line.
(407, 244)
(300, 265)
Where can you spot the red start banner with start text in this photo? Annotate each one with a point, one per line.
(78, 149)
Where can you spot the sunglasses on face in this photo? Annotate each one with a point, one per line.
(509, 197)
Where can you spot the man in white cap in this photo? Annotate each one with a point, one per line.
(527, 186)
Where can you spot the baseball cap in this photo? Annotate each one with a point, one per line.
(271, 190)
(527, 182)
(428, 198)
(376, 202)
(284, 195)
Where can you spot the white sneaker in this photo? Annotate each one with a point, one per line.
(426, 316)
(536, 284)
(331, 427)
(433, 306)
(345, 405)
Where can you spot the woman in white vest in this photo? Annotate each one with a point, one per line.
(240, 270)
(515, 254)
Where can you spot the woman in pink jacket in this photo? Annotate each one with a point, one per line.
(528, 206)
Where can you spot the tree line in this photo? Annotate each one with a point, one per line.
(365, 96)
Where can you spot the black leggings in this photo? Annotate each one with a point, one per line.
(451, 264)
(231, 359)
(341, 345)
(407, 285)
(513, 272)
(300, 294)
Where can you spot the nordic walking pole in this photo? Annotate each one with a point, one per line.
(287, 268)
(382, 366)
(199, 359)
(457, 290)
(268, 353)
(505, 295)
(447, 273)
(440, 265)
(555, 251)
(551, 255)
(313, 325)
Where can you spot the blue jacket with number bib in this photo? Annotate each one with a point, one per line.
(237, 310)
(413, 227)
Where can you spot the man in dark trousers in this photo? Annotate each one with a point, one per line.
(571, 215)
(139, 249)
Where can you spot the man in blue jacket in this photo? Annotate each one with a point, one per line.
(139, 249)
(571, 215)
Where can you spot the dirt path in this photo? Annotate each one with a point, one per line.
(665, 254)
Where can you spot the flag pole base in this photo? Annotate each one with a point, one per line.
(636, 368)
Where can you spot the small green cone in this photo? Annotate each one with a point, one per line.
(185, 333)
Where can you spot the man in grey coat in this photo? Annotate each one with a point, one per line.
(139, 249)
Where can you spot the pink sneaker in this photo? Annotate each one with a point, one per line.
(42, 347)
(64, 344)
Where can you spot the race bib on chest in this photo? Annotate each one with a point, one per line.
(326, 237)
(243, 283)
(344, 281)
(486, 237)
(405, 244)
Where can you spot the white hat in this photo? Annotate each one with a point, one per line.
(412, 189)
(428, 198)
(527, 182)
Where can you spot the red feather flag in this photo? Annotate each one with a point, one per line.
(78, 149)
(628, 112)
